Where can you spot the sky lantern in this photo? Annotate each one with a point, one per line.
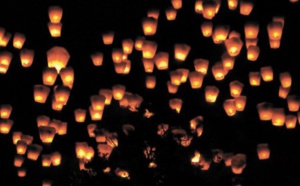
(96, 115)
(254, 78)
(253, 53)
(290, 121)
(293, 103)
(233, 46)
(232, 4)
(175, 104)
(81, 148)
(195, 124)
(196, 79)
(211, 94)
(16, 136)
(26, 57)
(250, 42)
(234, 34)
(124, 102)
(275, 30)
(227, 157)
(47, 134)
(246, 7)
(209, 9)
(61, 94)
(149, 65)
(196, 158)
(220, 33)
(285, 79)
(278, 117)
(280, 19)
(175, 77)
(100, 138)
(27, 138)
(61, 128)
(199, 6)
(40, 93)
(238, 163)
(181, 51)
(34, 151)
(46, 160)
(138, 44)
(18, 160)
(98, 102)
(57, 105)
(149, 26)
(201, 65)
(58, 57)
(55, 29)
(91, 129)
(104, 150)
(5, 125)
(283, 92)
(184, 74)
(67, 76)
(97, 58)
(22, 172)
(21, 147)
(161, 60)
(240, 103)
(266, 73)
(118, 91)
(108, 37)
(5, 111)
(150, 82)
(171, 13)
(127, 45)
(236, 88)
(80, 115)
(55, 158)
(107, 93)
(227, 61)
(207, 28)
(2, 32)
(49, 76)
(117, 55)
(265, 111)
(18, 40)
(149, 49)
(5, 39)
(263, 151)
(154, 13)
(120, 67)
(172, 89)
(47, 183)
(218, 71)
(229, 106)
(5, 60)
(177, 4)
(55, 14)
(251, 30)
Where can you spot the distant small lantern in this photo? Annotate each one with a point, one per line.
(177, 4)
(263, 151)
(46, 160)
(195, 123)
(161, 60)
(285, 79)
(118, 91)
(209, 9)
(278, 117)
(22, 172)
(283, 92)
(184, 74)
(55, 158)
(211, 94)
(175, 104)
(149, 49)
(96, 115)
(198, 6)
(57, 105)
(218, 71)
(5, 125)
(253, 53)
(27, 138)
(246, 7)
(227, 157)
(196, 79)
(290, 121)
(149, 26)
(21, 147)
(40, 93)
(61, 94)
(150, 82)
(5, 39)
(127, 45)
(254, 78)
(19, 160)
(55, 14)
(16, 136)
(171, 13)
(293, 103)
(233, 46)
(207, 28)
(149, 65)
(117, 55)
(5, 111)
(49, 76)
(181, 51)
(220, 34)
(175, 77)
(232, 4)
(26, 57)
(47, 134)
(108, 37)
(80, 115)
(201, 65)
(55, 29)
(67, 76)
(18, 40)
(251, 30)
(91, 129)
(154, 13)
(97, 58)
(275, 30)
(236, 88)
(274, 44)
(97, 102)
(5, 60)
(57, 57)
(266, 73)
(240, 103)
(229, 106)
(234, 34)
(265, 111)
(172, 89)
(227, 61)
(238, 163)
(138, 44)
(34, 151)
(108, 95)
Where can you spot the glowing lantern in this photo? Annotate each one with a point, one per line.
(150, 82)
(117, 55)
(49, 76)
(236, 88)
(283, 92)
(138, 45)
(19, 40)
(227, 61)
(91, 130)
(232, 4)
(238, 163)
(175, 104)
(293, 103)
(251, 30)
(16, 137)
(127, 66)
(240, 103)
(5, 39)
(34, 151)
(211, 94)
(26, 57)
(201, 65)
(184, 74)
(2, 32)
(100, 138)
(199, 6)
(275, 30)
(67, 76)
(206, 28)
(171, 14)
(97, 58)
(233, 46)
(5, 125)
(265, 111)
(135, 101)
(195, 123)
(55, 14)
(254, 78)
(98, 102)
(62, 128)
(47, 134)
(220, 34)
(47, 183)
(196, 158)
(175, 77)
(263, 151)
(107, 93)
(127, 46)
(149, 49)
(229, 106)
(55, 29)
(234, 34)
(218, 71)
(5, 111)
(96, 115)
(61, 94)
(252, 42)
(177, 4)
(266, 73)
(274, 44)
(246, 7)
(22, 172)
(285, 79)
(161, 60)
(21, 147)
(172, 89)
(253, 53)
(209, 9)
(55, 158)
(57, 57)
(149, 26)
(108, 38)
(181, 51)
(124, 102)
(118, 91)
(278, 117)
(196, 79)
(81, 148)
(56, 105)
(46, 160)
(27, 138)
(148, 65)
(5, 60)
(278, 19)
(290, 121)
(19, 160)
(80, 115)
(154, 13)
(104, 150)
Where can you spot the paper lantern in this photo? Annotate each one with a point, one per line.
(149, 65)
(196, 158)
(149, 26)
(67, 76)
(91, 130)
(150, 82)
(34, 151)
(57, 57)
(181, 51)
(175, 77)
(201, 65)
(266, 73)
(16, 136)
(251, 30)
(108, 37)
(184, 74)
(229, 106)
(96, 115)
(195, 123)
(227, 61)
(238, 163)
(21, 147)
(89, 153)
(149, 49)
(18, 161)
(161, 60)
(18, 40)
(234, 34)
(175, 104)
(290, 121)
(55, 29)
(5, 39)
(253, 53)
(22, 172)
(251, 42)
(218, 71)
(209, 9)
(80, 148)
(104, 150)
(275, 30)
(80, 115)
(171, 13)
(293, 103)
(46, 160)
(27, 138)
(55, 14)
(97, 58)
(263, 151)
(199, 6)
(154, 13)
(5, 125)
(55, 158)
(56, 105)
(5, 60)
(62, 128)
(5, 111)
(265, 111)
(127, 66)
(280, 19)
(236, 88)
(61, 94)
(283, 92)
(118, 91)
(47, 134)
(49, 76)
(207, 28)
(177, 4)
(240, 103)
(2, 32)
(254, 78)
(172, 89)
(100, 138)
(135, 101)
(107, 93)
(196, 79)
(211, 94)
(274, 44)
(278, 117)
(232, 4)
(117, 55)
(233, 46)
(26, 57)
(220, 33)
(285, 79)
(98, 102)
(246, 7)
(138, 44)
(127, 46)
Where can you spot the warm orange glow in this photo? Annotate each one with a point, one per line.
(55, 158)
(161, 60)
(236, 88)
(107, 93)
(251, 30)
(175, 77)
(218, 71)
(238, 163)
(246, 7)
(108, 37)
(293, 103)
(16, 137)
(181, 51)
(175, 104)
(240, 103)
(285, 79)
(278, 117)
(184, 74)
(96, 115)
(265, 111)
(253, 53)
(127, 45)
(40, 93)
(233, 46)
(196, 79)
(207, 28)
(172, 89)
(98, 102)
(199, 6)
(97, 58)
(47, 134)
(209, 9)
(34, 151)
(5, 111)
(232, 4)
(118, 91)
(26, 57)
(252, 42)
(220, 34)
(49, 76)
(229, 106)
(46, 160)
(149, 49)
(5, 125)
(254, 78)
(211, 94)
(266, 73)
(275, 30)
(290, 121)
(150, 82)
(227, 61)
(138, 45)
(263, 151)
(18, 161)
(18, 40)
(171, 14)
(283, 92)
(22, 172)
(80, 115)
(149, 26)
(67, 76)
(91, 130)
(177, 4)
(57, 57)
(55, 14)
(201, 65)
(196, 158)
(5, 60)
(55, 29)
(154, 13)
(61, 94)
(21, 147)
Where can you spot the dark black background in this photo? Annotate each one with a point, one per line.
(83, 23)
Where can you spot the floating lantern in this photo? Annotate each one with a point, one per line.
(91, 130)
(96, 115)
(211, 94)
(46, 160)
(56, 105)
(266, 73)
(177, 4)
(283, 92)
(117, 55)
(61, 128)
(232, 4)
(229, 106)
(150, 82)
(80, 148)
(233, 46)
(181, 51)
(251, 30)
(195, 124)
(55, 124)
(278, 117)
(274, 44)
(154, 13)
(209, 9)
(201, 65)
(149, 49)
(238, 163)
(227, 61)
(40, 93)
(61, 94)
(246, 7)
(2, 32)
(55, 14)
(100, 138)
(57, 57)
(220, 33)
(5, 125)
(107, 93)
(240, 103)
(34, 151)
(196, 158)
(80, 115)
(207, 28)
(218, 71)
(275, 30)
(253, 53)
(285, 79)
(49, 76)
(108, 37)
(171, 14)
(5, 60)
(196, 79)
(5, 111)
(149, 65)
(279, 19)
(127, 45)
(18, 161)
(104, 150)
(161, 60)
(263, 151)
(26, 57)
(97, 58)
(290, 121)
(138, 45)
(19, 40)
(199, 6)
(118, 91)
(5, 39)
(227, 157)
(47, 183)
(67, 76)
(293, 103)
(236, 88)
(55, 29)
(172, 89)
(47, 134)
(184, 74)
(252, 42)
(175, 77)
(55, 158)
(27, 138)
(254, 78)
(265, 111)
(149, 26)
(234, 34)
(21, 147)
(16, 136)
(22, 172)
(175, 104)
(98, 102)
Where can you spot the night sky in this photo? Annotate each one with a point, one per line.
(84, 21)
